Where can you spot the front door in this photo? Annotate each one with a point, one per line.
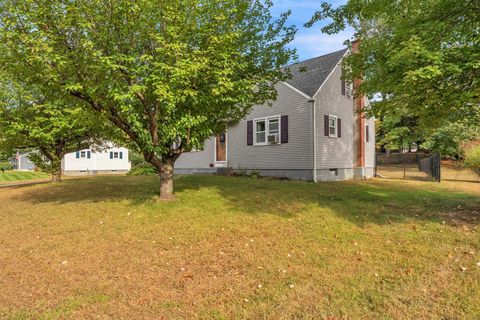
(221, 148)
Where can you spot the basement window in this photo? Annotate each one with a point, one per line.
(334, 172)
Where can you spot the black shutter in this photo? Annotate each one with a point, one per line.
(339, 126)
(327, 133)
(121, 155)
(343, 83)
(284, 121)
(111, 155)
(89, 155)
(250, 133)
(367, 134)
(77, 155)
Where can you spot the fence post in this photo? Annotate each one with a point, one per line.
(404, 166)
(376, 161)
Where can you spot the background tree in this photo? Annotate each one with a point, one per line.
(423, 56)
(450, 140)
(398, 133)
(169, 74)
(50, 126)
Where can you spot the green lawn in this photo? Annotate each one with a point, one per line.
(12, 175)
(240, 248)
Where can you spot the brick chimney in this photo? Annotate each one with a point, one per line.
(359, 104)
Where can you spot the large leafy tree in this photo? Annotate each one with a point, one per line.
(398, 133)
(168, 73)
(422, 56)
(50, 126)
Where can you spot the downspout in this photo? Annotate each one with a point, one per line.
(314, 117)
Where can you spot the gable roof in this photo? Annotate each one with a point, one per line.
(309, 75)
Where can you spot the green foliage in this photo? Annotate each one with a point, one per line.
(472, 159)
(5, 152)
(422, 57)
(448, 140)
(404, 133)
(139, 166)
(398, 133)
(51, 124)
(5, 165)
(145, 169)
(169, 74)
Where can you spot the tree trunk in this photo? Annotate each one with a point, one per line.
(56, 169)
(166, 179)
(57, 176)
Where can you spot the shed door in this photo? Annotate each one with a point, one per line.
(221, 148)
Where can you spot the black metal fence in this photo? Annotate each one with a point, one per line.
(414, 165)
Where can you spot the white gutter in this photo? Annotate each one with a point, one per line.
(314, 141)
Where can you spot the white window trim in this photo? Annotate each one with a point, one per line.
(83, 154)
(349, 89)
(335, 135)
(266, 119)
(116, 153)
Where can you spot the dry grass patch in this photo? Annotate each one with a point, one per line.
(239, 248)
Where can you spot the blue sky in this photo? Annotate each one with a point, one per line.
(311, 42)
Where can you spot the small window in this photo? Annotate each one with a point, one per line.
(83, 154)
(349, 89)
(334, 172)
(367, 133)
(267, 131)
(332, 126)
(116, 155)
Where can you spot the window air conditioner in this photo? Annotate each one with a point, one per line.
(273, 138)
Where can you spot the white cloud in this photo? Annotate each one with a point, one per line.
(314, 43)
(311, 42)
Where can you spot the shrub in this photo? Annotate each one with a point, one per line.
(139, 166)
(5, 165)
(143, 169)
(472, 159)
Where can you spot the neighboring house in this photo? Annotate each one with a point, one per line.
(312, 132)
(110, 161)
(21, 162)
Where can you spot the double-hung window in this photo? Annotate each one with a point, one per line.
(332, 126)
(267, 130)
(116, 155)
(85, 154)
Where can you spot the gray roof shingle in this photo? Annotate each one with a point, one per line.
(309, 75)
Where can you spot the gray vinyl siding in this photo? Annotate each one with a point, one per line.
(370, 145)
(297, 154)
(198, 159)
(334, 153)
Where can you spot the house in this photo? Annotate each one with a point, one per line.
(21, 161)
(113, 160)
(313, 131)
